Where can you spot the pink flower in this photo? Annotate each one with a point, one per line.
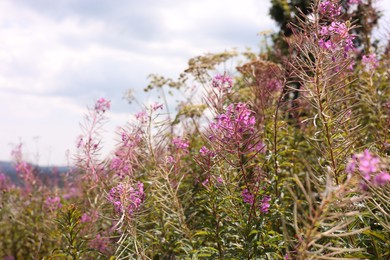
(116, 163)
(141, 117)
(157, 106)
(102, 105)
(325, 44)
(324, 30)
(222, 82)
(85, 218)
(382, 179)
(247, 197)
(351, 166)
(100, 243)
(336, 37)
(170, 159)
(330, 8)
(53, 203)
(259, 148)
(367, 164)
(219, 180)
(72, 192)
(180, 143)
(370, 62)
(265, 204)
(126, 198)
(204, 151)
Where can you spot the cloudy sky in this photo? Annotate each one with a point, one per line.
(57, 57)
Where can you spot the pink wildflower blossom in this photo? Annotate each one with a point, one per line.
(53, 203)
(157, 106)
(235, 122)
(181, 144)
(219, 180)
(204, 151)
(368, 164)
(222, 82)
(382, 179)
(370, 62)
(141, 117)
(170, 159)
(369, 167)
(102, 105)
(265, 204)
(90, 217)
(247, 197)
(126, 198)
(100, 243)
(85, 218)
(330, 8)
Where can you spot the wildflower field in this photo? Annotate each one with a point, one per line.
(286, 157)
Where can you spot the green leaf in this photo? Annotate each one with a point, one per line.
(202, 233)
(375, 234)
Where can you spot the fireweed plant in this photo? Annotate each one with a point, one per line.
(257, 169)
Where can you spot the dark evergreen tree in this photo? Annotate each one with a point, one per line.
(287, 12)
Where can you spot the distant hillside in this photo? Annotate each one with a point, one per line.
(45, 173)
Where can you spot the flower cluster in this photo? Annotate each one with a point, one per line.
(222, 82)
(102, 105)
(100, 243)
(181, 144)
(53, 203)
(126, 198)
(334, 35)
(156, 106)
(368, 165)
(249, 198)
(234, 124)
(142, 117)
(265, 204)
(370, 62)
(205, 152)
(93, 216)
(329, 8)
(233, 132)
(125, 159)
(212, 180)
(23, 168)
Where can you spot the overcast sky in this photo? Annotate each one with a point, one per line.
(57, 57)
